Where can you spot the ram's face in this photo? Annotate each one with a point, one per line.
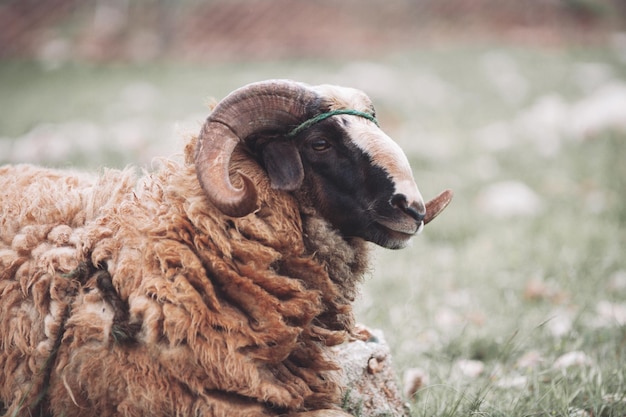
(359, 179)
(362, 181)
(323, 144)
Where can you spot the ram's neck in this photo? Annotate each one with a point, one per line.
(345, 260)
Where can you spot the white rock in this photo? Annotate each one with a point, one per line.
(413, 380)
(611, 314)
(447, 319)
(560, 324)
(575, 358)
(578, 412)
(512, 382)
(55, 52)
(617, 281)
(369, 376)
(509, 199)
(544, 123)
(602, 110)
(470, 368)
(530, 360)
(44, 143)
(614, 398)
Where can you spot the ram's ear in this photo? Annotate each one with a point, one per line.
(283, 165)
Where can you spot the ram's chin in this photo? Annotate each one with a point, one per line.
(390, 239)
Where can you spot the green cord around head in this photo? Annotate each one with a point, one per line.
(310, 122)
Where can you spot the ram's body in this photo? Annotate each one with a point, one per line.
(248, 330)
(134, 296)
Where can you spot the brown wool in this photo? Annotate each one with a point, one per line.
(161, 305)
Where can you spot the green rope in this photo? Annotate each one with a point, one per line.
(310, 122)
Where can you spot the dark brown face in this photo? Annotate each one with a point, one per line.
(361, 185)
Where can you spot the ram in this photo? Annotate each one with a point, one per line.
(213, 286)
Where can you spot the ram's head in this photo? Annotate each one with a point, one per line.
(323, 144)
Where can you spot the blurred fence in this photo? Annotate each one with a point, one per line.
(140, 30)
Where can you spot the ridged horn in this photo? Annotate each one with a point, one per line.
(435, 206)
(272, 106)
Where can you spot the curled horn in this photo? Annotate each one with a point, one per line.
(270, 106)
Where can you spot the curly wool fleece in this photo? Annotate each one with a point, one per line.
(133, 296)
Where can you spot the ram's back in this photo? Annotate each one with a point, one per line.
(36, 196)
(43, 213)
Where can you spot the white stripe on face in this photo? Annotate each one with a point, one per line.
(368, 137)
(386, 154)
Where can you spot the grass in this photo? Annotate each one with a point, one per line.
(513, 292)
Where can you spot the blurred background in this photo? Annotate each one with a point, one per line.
(513, 302)
(90, 81)
(58, 31)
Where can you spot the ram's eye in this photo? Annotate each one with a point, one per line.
(320, 145)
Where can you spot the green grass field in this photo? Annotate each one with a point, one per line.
(512, 302)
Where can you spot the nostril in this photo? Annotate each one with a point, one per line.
(414, 213)
(399, 201)
(415, 210)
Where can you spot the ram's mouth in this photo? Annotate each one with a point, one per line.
(395, 232)
(402, 229)
(387, 234)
